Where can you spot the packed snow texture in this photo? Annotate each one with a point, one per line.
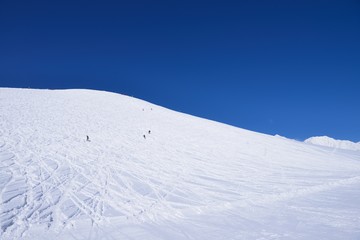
(151, 173)
(333, 143)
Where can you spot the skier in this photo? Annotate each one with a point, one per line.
(87, 138)
(149, 131)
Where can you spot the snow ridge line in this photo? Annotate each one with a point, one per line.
(307, 191)
(273, 198)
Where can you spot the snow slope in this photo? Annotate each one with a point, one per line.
(333, 143)
(189, 178)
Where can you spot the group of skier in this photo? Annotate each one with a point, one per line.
(144, 136)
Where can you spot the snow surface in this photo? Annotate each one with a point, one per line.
(333, 143)
(189, 178)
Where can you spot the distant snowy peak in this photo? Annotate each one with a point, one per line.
(334, 143)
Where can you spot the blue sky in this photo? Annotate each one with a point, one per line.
(278, 67)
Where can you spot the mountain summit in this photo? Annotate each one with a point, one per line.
(333, 143)
(85, 164)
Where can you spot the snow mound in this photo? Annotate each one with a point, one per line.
(333, 143)
(147, 172)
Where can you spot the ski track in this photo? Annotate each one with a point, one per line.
(51, 176)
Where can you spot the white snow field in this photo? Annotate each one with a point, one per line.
(189, 178)
(334, 143)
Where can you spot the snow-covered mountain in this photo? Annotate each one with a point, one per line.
(334, 143)
(152, 173)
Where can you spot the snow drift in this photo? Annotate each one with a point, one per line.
(152, 173)
(333, 143)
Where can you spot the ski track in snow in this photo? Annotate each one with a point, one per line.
(54, 182)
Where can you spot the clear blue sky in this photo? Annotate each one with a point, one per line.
(278, 67)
